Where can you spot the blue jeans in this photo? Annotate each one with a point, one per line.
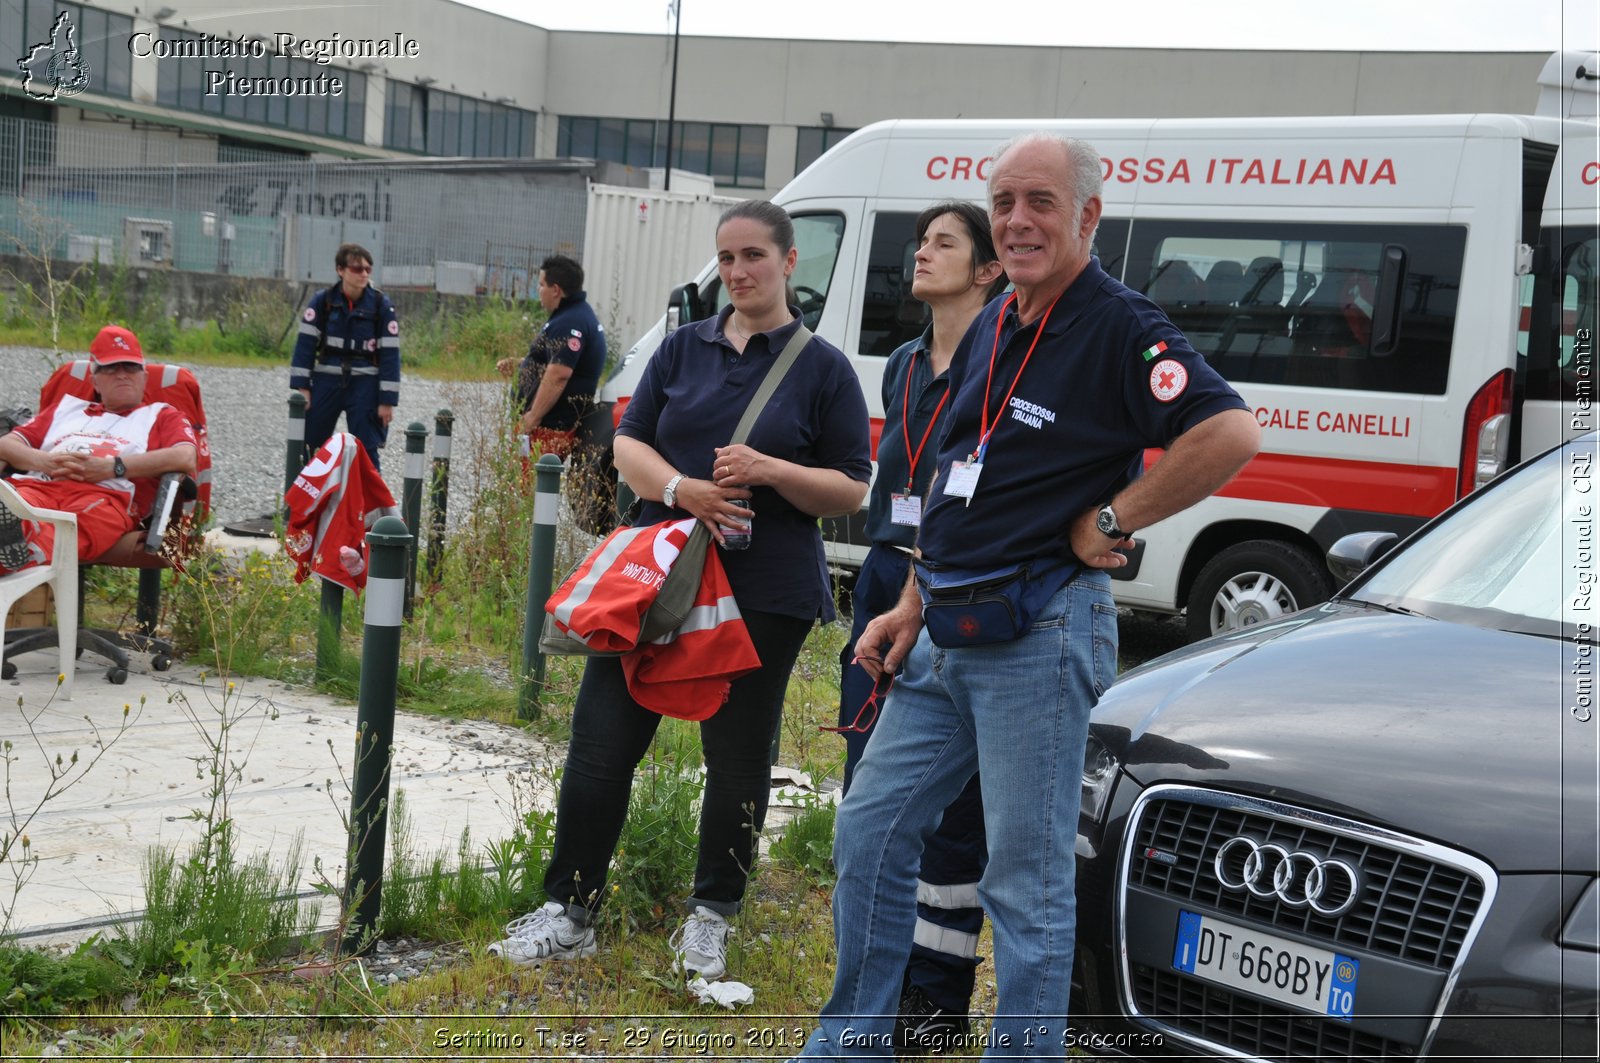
(1018, 713)
(944, 965)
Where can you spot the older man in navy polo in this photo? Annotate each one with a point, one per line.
(1057, 390)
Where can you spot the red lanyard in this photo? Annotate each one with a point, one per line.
(985, 429)
(905, 425)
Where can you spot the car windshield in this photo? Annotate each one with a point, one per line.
(1520, 557)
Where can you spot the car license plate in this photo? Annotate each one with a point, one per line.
(1301, 976)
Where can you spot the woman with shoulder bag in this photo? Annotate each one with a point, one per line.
(807, 456)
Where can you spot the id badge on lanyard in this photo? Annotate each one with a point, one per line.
(905, 510)
(963, 479)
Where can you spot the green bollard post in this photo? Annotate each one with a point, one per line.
(541, 571)
(294, 456)
(442, 422)
(330, 622)
(411, 501)
(380, 670)
(625, 496)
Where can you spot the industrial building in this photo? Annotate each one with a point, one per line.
(231, 80)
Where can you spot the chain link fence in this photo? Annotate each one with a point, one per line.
(454, 225)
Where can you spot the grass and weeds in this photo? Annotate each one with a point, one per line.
(223, 964)
(253, 324)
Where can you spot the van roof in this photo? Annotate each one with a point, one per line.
(1569, 86)
(931, 159)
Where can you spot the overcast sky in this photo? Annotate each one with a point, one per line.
(1383, 25)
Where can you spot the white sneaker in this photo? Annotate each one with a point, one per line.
(546, 934)
(701, 944)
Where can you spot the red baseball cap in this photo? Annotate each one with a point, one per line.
(115, 344)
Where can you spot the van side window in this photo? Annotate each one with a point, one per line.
(890, 315)
(817, 238)
(1293, 303)
(1110, 244)
(1563, 319)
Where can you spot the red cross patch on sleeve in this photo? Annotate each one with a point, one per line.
(1168, 379)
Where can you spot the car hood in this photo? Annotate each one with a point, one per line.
(1459, 734)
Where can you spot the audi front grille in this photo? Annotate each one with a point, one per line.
(1409, 920)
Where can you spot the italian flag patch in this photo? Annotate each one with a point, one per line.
(1150, 355)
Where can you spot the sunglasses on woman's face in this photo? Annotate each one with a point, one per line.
(867, 715)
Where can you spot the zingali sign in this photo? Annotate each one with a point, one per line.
(1211, 170)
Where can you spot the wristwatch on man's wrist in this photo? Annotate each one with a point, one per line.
(669, 493)
(118, 470)
(1106, 521)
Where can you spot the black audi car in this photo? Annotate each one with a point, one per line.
(1367, 830)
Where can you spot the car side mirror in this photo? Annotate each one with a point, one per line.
(683, 306)
(1353, 554)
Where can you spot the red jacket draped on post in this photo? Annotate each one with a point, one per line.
(336, 498)
(685, 673)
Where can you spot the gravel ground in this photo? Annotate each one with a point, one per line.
(248, 411)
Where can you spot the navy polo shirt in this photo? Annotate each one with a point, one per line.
(1099, 389)
(573, 338)
(689, 401)
(910, 359)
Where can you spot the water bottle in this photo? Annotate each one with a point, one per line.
(736, 536)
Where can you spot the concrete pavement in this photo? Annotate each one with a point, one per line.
(295, 751)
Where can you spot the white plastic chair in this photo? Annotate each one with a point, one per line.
(61, 573)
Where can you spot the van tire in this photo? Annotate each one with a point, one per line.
(1252, 583)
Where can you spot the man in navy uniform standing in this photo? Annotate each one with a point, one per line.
(558, 378)
(1056, 391)
(347, 359)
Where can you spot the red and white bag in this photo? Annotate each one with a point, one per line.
(682, 641)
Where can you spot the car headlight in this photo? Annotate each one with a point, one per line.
(1582, 928)
(1099, 779)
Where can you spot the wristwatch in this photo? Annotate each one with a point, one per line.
(669, 493)
(1106, 521)
(118, 470)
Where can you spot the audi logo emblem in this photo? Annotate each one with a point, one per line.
(1329, 887)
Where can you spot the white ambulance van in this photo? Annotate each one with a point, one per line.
(1407, 303)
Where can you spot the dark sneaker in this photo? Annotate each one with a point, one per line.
(545, 934)
(14, 551)
(924, 1029)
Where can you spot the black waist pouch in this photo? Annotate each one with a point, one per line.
(978, 607)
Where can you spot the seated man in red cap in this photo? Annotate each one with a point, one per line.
(99, 460)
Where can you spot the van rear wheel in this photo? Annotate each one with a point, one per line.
(1252, 583)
